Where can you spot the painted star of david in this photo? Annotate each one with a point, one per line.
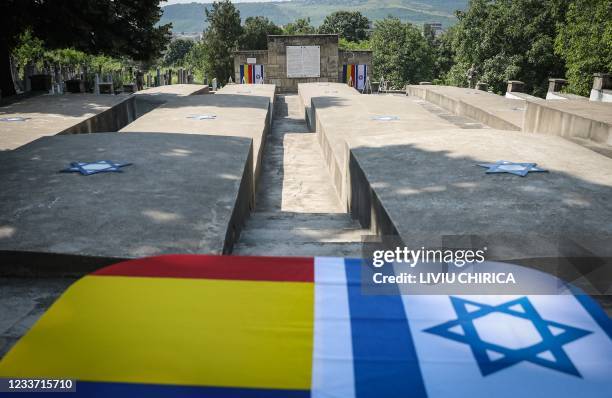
(504, 166)
(491, 357)
(102, 166)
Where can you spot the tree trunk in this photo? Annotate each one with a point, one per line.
(6, 77)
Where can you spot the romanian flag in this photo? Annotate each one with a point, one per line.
(251, 74)
(224, 326)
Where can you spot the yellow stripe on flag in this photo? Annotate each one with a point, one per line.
(180, 331)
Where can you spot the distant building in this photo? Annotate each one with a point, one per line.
(435, 28)
(290, 60)
(193, 36)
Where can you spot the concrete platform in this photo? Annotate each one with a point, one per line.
(257, 90)
(425, 185)
(491, 109)
(237, 115)
(150, 98)
(307, 91)
(183, 194)
(582, 120)
(63, 114)
(340, 118)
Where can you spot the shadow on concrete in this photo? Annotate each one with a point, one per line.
(554, 221)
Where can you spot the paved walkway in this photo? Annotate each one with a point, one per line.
(297, 212)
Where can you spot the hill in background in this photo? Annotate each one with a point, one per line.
(190, 17)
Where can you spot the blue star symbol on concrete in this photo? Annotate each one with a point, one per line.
(547, 350)
(102, 166)
(504, 166)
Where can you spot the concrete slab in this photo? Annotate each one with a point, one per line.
(150, 98)
(491, 109)
(237, 115)
(583, 120)
(340, 118)
(183, 194)
(256, 90)
(306, 91)
(427, 184)
(63, 114)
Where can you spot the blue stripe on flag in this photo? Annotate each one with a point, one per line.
(120, 390)
(385, 359)
(241, 73)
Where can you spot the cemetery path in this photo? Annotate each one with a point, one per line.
(297, 211)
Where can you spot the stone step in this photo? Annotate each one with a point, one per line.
(287, 220)
(301, 234)
(327, 249)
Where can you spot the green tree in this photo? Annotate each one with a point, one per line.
(116, 28)
(349, 25)
(256, 31)
(509, 39)
(585, 42)
(401, 53)
(352, 45)
(444, 54)
(177, 51)
(221, 39)
(301, 26)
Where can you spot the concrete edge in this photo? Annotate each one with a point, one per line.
(461, 108)
(110, 120)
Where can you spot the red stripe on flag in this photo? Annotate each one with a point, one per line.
(275, 269)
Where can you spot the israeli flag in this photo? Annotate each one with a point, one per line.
(456, 346)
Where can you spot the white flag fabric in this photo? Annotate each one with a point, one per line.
(361, 77)
(259, 76)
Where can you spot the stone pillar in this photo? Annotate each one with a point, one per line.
(602, 87)
(515, 86)
(602, 81)
(482, 86)
(555, 85)
(97, 84)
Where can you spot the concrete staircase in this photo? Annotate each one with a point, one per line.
(297, 212)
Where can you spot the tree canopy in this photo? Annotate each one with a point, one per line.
(401, 53)
(509, 39)
(177, 52)
(221, 39)
(585, 42)
(115, 28)
(301, 26)
(255, 33)
(352, 26)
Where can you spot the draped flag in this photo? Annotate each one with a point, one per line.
(225, 326)
(355, 75)
(252, 74)
(361, 76)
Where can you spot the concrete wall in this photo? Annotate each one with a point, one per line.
(276, 72)
(240, 58)
(354, 57)
(584, 120)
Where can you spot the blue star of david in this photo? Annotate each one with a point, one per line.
(102, 166)
(548, 352)
(504, 166)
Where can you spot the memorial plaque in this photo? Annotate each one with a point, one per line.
(251, 60)
(303, 61)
